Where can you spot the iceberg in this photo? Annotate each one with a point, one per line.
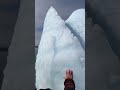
(60, 49)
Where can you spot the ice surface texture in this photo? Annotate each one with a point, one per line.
(60, 49)
(76, 22)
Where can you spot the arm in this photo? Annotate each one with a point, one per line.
(69, 83)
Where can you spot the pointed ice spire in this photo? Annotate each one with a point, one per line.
(52, 17)
(52, 11)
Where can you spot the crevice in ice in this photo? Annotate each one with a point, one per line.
(77, 35)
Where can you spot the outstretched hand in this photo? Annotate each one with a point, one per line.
(69, 74)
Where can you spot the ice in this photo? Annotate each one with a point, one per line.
(59, 50)
(77, 24)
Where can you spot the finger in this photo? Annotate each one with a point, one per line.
(67, 72)
(71, 72)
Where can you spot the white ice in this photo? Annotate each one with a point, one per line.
(59, 50)
(77, 24)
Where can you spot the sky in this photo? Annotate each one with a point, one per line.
(63, 7)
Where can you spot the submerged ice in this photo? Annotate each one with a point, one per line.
(61, 48)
